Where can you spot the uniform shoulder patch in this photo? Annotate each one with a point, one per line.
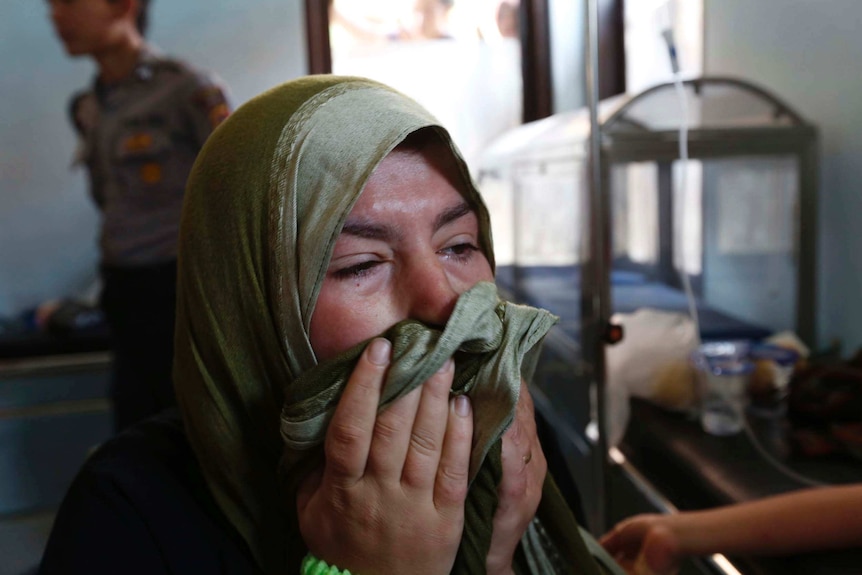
(211, 99)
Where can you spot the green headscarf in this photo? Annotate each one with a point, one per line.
(264, 206)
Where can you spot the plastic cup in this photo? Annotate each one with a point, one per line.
(724, 373)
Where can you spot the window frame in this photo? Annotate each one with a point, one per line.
(535, 51)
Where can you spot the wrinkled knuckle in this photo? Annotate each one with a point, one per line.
(337, 464)
(339, 450)
(452, 482)
(424, 443)
(342, 437)
(385, 430)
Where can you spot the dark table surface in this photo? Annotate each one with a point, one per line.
(39, 344)
(695, 470)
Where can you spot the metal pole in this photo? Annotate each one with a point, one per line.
(598, 295)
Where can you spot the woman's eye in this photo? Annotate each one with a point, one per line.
(460, 252)
(356, 271)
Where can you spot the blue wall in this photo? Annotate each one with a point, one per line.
(808, 53)
(48, 225)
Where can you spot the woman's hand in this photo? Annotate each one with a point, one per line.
(390, 496)
(644, 545)
(520, 490)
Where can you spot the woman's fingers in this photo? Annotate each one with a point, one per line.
(450, 487)
(380, 522)
(391, 438)
(428, 431)
(349, 436)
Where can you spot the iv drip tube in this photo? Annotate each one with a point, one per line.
(689, 293)
(683, 172)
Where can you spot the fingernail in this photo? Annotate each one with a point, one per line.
(378, 351)
(446, 366)
(462, 405)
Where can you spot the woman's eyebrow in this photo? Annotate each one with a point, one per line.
(370, 231)
(449, 215)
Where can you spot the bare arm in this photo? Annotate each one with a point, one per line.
(807, 520)
(813, 519)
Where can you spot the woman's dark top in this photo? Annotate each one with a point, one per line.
(140, 505)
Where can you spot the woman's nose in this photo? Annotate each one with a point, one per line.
(431, 293)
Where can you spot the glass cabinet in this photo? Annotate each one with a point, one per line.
(737, 217)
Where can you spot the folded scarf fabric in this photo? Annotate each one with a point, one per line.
(489, 339)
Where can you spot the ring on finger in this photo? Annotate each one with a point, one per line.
(528, 457)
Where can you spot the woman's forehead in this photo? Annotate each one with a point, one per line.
(414, 163)
(410, 184)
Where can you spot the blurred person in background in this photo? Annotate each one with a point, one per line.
(140, 126)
